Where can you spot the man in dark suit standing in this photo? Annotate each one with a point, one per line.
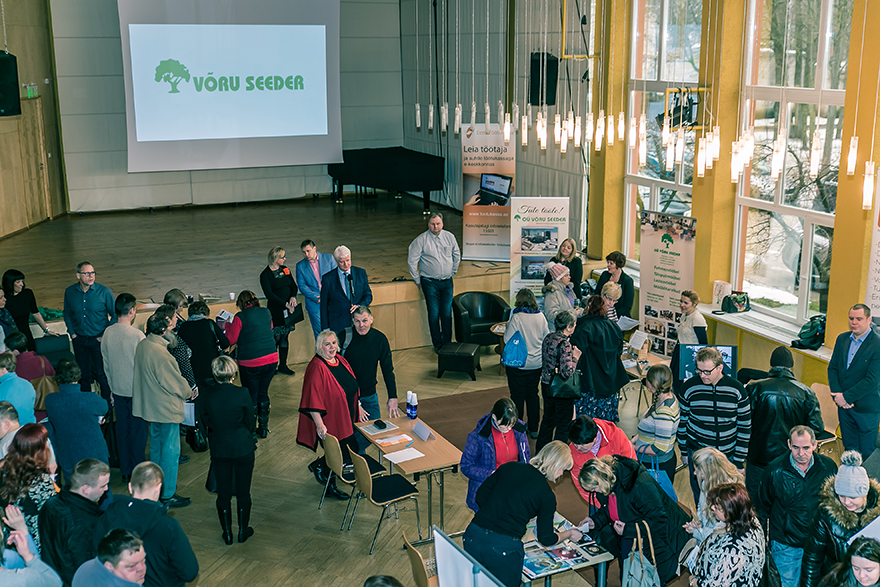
(854, 378)
(342, 290)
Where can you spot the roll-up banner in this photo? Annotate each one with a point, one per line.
(666, 269)
(488, 166)
(537, 227)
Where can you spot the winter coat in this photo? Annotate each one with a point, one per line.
(171, 561)
(639, 497)
(159, 389)
(478, 458)
(833, 526)
(555, 300)
(601, 342)
(67, 525)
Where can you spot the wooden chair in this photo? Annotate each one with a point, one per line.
(419, 569)
(382, 491)
(343, 472)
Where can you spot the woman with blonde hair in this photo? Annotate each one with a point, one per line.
(568, 256)
(514, 494)
(280, 290)
(628, 495)
(691, 330)
(711, 468)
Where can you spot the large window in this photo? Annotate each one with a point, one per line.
(795, 79)
(665, 55)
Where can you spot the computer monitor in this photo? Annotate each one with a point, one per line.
(687, 366)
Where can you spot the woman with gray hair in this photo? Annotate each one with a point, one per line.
(329, 404)
(514, 494)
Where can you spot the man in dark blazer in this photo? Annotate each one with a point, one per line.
(854, 378)
(342, 290)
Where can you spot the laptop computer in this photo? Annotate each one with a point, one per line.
(494, 189)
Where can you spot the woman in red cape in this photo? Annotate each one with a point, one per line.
(329, 404)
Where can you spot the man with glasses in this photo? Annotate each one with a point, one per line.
(89, 308)
(715, 412)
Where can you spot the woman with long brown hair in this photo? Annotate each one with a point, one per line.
(25, 479)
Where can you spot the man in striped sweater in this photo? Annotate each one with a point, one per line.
(715, 412)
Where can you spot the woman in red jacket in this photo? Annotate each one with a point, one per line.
(329, 404)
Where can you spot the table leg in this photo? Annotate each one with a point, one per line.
(548, 580)
(442, 505)
(430, 538)
(601, 574)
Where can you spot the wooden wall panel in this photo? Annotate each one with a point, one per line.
(13, 216)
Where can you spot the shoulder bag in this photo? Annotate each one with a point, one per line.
(43, 386)
(638, 571)
(562, 388)
(736, 302)
(657, 473)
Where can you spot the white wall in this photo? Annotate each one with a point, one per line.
(538, 173)
(92, 103)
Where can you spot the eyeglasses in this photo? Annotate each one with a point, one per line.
(87, 273)
(706, 372)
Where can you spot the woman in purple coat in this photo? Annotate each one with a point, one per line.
(500, 437)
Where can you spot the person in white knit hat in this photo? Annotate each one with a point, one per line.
(558, 294)
(847, 503)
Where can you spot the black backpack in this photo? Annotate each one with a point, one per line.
(812, 334)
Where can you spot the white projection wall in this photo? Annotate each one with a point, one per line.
(218, 84)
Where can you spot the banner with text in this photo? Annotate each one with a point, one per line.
(668, 245)
(537, 227)
(488, 166)
(872, 294)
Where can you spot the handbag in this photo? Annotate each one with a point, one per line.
(770, 577)
(638, 571)
(43, 386)
(657, 473)
(295, 317)
(811, 335)
(108, 428)
(736, 302)
(562, 388)
(515, 352)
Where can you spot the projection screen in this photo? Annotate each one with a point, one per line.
(219, 84)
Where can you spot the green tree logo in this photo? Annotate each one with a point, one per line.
(173, 72)
(667, 239)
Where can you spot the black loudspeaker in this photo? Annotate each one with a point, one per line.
(550, 71)
(10, 99)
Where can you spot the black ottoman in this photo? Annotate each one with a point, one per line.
(458, 356)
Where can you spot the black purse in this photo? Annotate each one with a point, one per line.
(736, 302)
(811, 335)
(562, 388)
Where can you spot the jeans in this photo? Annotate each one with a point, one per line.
(314, 310)
(754, 477)
(87, 351)
(233, 478)
(370, 403)
(523, 385)
(257, 380)
(695, 485)
(858, 430)
(556, 419)
(165, 452)
(131, 435)
(438, 299)
(788, 561)
(501, 555)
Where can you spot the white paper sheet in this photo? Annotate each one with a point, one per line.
(401, 456)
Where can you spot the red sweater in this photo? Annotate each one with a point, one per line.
(614, 442)
(323, 394)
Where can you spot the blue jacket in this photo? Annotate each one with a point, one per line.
(306, 280)
(478, 458)
(335, 304)
(20, 393)
(73, 425)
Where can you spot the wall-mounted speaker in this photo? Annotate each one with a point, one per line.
(544, 67)
(10, 99)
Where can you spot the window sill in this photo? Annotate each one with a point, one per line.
(765, 326)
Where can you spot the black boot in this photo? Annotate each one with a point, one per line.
(225, 523)
(320, 469)
(263, 419)
(282, 361)
(244, 518)
(333, 491)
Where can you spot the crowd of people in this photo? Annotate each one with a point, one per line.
(775, 503)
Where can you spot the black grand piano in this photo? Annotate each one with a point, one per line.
(394, 169)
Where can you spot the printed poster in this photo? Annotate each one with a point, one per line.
(537, 227)
(488, 168)
(667, 268)
(872, 294)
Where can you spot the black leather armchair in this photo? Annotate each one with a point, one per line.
(474, 313)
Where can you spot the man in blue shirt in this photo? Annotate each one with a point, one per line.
(854, 378)
(89, 308)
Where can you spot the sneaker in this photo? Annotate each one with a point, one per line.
(176, 501)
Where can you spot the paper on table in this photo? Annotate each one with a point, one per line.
(404, 455)
(638, 339)
(392, 440)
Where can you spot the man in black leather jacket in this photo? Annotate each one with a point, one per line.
(789, 497)
(779, 403)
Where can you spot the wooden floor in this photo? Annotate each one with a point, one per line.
(223, 249)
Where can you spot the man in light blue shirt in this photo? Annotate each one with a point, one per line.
(433, 260)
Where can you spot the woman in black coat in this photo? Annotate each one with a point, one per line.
(615, 262)
(280, 290)
(639, 498)
(228, 414)
(206, 340)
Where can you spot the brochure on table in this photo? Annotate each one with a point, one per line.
(541, 561)
(537, 227)
(668, 247)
